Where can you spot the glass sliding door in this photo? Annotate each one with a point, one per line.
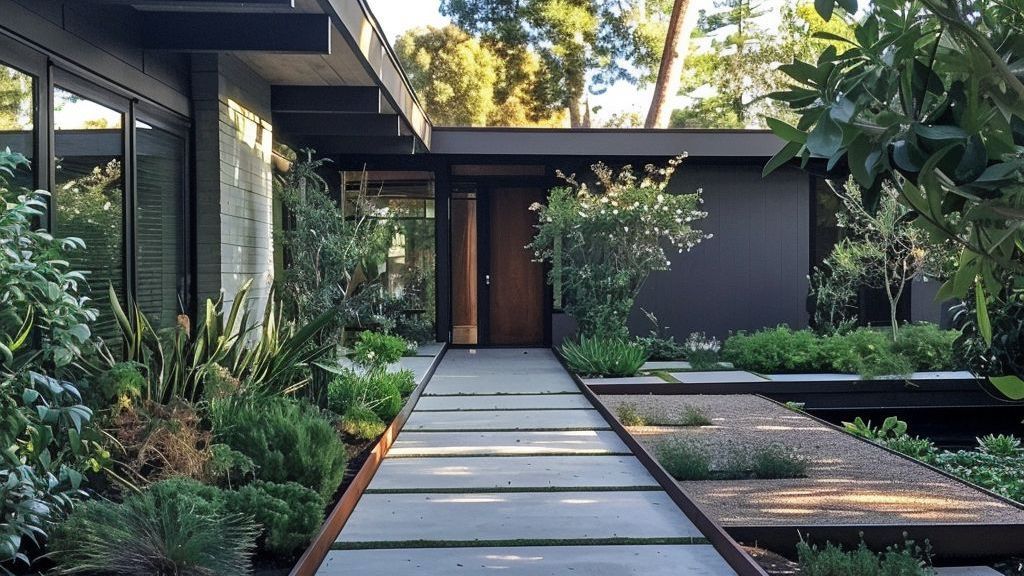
(160, 224)
(89, 197)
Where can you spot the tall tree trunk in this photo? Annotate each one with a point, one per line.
(677, 43)
(575, 120)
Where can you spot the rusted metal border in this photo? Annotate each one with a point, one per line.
(314, 555)
(730, 550)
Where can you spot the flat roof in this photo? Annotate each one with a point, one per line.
(604, 142)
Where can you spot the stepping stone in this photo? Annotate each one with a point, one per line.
(967, 571)
(500, 371)
(430, 349)
(721, 376)
(684, 560)
(419, 365)
(507, 443)
(813, 377)
(503, 402)
(396, 518)
(511, 473)
(666, 365)
(630, 380)
(507, 420)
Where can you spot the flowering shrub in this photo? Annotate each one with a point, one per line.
(702, 351)
(603, 241)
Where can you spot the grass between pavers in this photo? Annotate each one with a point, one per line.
(515, 489)
(452, 430)
(518, 542)
(514, 455)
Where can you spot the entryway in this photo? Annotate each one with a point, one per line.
(498, 291)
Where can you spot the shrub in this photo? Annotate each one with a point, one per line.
(1001, 474)
(866, 352)
(162, 441)
(289, 514)
(603, 242)
(289, 441)
(374, 352)
(361, 422)
(775, 461)
(659, 344)
(164, 530)
(122, 381)
(1000, 445)
(702, 351)
(892, 427)
(694, 416)
(629, 414)
(773, 350)
(380, 392)
(604, 357)
(927, 347)
(832, 560)
(683, 460)
(920, 448)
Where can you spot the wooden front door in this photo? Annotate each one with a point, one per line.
(514, 283)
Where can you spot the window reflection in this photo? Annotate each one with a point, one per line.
(17, 120)
(160, 225)
(89, 195)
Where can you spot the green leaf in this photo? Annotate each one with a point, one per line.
(1011, 386)
(825, 8)
(785, 131)
(984, 323)
(788, 152)
(826, 138)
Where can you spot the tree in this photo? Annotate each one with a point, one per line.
(578, 42)
(930, 97)
(730, 80)
(462, 82)
(15, 99)
(677, 42)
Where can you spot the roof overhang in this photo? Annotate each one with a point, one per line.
(605, 142)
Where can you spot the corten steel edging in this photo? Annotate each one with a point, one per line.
(723, 543)
(314, 555)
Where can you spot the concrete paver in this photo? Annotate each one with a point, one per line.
(504, 402)
(507, 420)
(507, 443)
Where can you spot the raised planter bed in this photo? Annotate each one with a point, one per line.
(355, 485)
(853, 487)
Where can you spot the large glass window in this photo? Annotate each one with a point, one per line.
(89, 194)
(160, 224)
(17, 120)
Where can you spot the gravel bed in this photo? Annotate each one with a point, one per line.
(848, 481)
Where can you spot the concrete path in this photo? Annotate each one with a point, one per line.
(504, 465)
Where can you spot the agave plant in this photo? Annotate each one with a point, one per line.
(604, 357)
(178, 361)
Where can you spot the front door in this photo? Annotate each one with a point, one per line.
(513, 282)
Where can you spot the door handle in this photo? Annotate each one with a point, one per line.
(487, 279)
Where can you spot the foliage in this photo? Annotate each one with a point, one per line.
(926, 346)
(866, 351)
(694, 416)
(603, 357)
(288, 514)
(157, 441)
(327, 275)
(120, 383)
(773, 350)
(728, 80)
(835, 287)
(629, 414)
(1000, 445)
(163, 530)
(929, 98)
(776, 461)
(1002, 474)
(892, 427)
(1004, 353)
(288, 440)
(374, 351)
(683, 460)
(177, 364)
(46, 434)
(922, 449)
(832, 560)
(604, 242)
(660, 345)
(595, 41)
(361, 422)
(379, 392)
(702, 351)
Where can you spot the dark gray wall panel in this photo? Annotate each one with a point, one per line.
(753, 272)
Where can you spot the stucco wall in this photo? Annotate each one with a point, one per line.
(234, 179)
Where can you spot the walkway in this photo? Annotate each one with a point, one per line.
(504, 465)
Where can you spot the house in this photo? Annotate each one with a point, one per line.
(154, 124)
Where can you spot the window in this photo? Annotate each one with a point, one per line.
(160, 224)
(17, 120)
(89, 195)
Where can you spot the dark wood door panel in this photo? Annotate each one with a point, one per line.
(516, 290)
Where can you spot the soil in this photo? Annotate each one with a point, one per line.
(848, 480)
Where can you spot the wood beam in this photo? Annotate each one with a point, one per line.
(313, 99)
(177, 31)
(335, 124)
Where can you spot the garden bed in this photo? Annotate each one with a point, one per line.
(362, 466)
(850, 487)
